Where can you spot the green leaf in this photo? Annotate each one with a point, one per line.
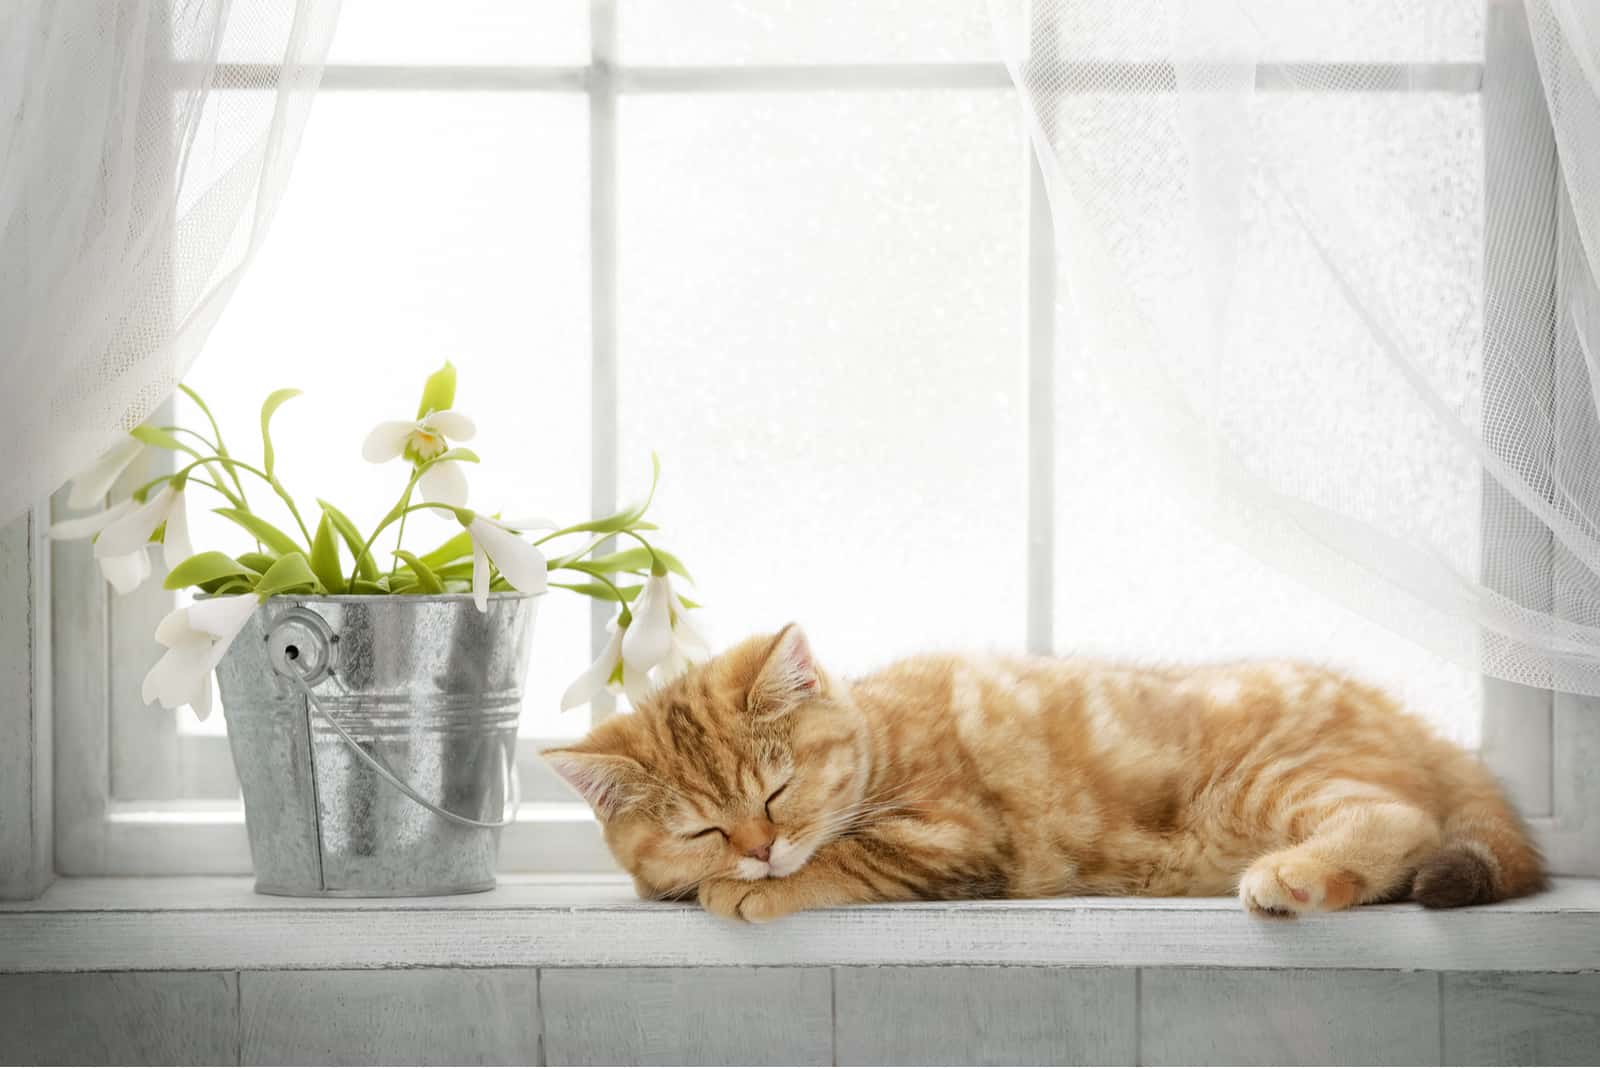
(637, 559)
(268, 407)
(426, 580)
(599, 590)
(453, 549)
(205, 567)
(498, 584)
(291, 572)
(460, 570)
(368, 589)
(366, 566)
(439, 391)
(161, 439)
(261, 530)
(325, 557)
(228, 587)
(258, 562)
(691, 605)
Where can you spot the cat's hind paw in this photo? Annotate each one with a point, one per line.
(1285, 885)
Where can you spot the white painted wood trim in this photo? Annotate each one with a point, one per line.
(143, 743)
(605, 412)
(160, 924)
(1040, 301)
(80, 611)
(1088, 76)
(26, 795)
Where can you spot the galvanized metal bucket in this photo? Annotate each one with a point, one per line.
(375, 740)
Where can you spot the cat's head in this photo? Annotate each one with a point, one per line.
(739, 768)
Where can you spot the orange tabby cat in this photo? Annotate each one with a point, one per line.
(765, 785)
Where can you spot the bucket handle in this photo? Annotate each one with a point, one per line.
(400, 784)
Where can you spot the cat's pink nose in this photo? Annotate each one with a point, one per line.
(754, 838)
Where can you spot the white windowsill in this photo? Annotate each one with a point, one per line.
(566, 921)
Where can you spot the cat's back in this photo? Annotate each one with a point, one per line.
(1154, 738)
(1100, 703)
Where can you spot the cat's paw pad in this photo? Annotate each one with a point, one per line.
(1290, 886)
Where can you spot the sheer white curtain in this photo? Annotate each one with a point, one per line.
(143, 146)
(1387, 386)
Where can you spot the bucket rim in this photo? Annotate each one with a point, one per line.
(403, 598)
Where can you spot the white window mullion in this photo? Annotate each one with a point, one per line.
(1041, 340)
(603, 374)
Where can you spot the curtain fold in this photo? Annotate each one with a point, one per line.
(1351, 306)
(143, 148)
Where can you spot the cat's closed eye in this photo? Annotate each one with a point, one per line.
(706, 831)
(773, 797)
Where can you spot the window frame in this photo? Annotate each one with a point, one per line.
(104, 734)
(1535, 740)
(1544, 745)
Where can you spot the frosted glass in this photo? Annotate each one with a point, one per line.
(1300, 387)
(821, 332)
(424, 32)
(673, 32)
(490, 32)
(1371, 31)
(422, 227)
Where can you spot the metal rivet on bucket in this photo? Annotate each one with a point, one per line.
(300, 645)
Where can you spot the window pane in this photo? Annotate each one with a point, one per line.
(421, 227)
(821, 333)
(1374, 31)
(1136, 575)
(672, 32)
(482, 32)
(381, 32)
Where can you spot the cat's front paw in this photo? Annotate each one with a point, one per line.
(743, 900)
(1284, 884)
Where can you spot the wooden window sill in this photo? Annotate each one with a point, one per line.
(189, 923)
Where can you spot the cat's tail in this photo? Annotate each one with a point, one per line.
(1487, 854)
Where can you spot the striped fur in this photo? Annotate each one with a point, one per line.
(763, 785)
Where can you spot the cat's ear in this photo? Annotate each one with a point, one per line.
(610, 783)
(788, 676)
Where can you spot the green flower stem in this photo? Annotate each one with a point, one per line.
(221, 449)
(656, 566)
(400, 537)
(624, 617)
(395, 514)
(228, 462)
(233, 499)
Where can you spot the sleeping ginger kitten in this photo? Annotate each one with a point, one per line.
(765, 785)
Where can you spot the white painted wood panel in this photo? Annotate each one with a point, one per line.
(438, 1016)
(143, 740)
(120, 1018)
(81, 685)
(967, 1015)
(1519, 297)
(26, 835)
(1288, 1017)
(532, 922)
(1522, 1019)
(1572, 844)
(687, 1015)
